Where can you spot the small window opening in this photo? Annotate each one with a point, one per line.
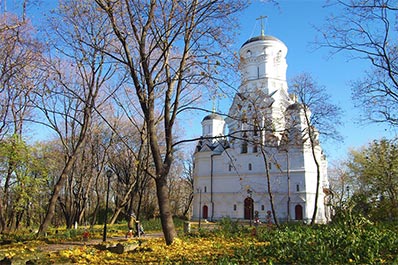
(255, 149)
(244, 148)
(255, 131)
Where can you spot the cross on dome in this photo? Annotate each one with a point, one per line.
(262, 24)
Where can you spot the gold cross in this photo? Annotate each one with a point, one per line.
(262, 24)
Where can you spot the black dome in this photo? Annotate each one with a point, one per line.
(294, 106)
(261, 38)
(213, 116)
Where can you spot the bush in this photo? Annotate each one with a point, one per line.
(331, 244)
(229, 227)
(156, 225)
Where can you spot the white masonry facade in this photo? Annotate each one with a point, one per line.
(259, 152)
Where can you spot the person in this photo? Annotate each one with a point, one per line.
(130, 225)
(256, 223)
(139, 228)
(86, 235)
(268, 218)
(256, 219)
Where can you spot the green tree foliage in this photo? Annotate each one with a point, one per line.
(373, 171)
(22, 174)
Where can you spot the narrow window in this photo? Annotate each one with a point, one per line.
(262, 207)
(250, 166)
(255, 149)
(205, 189)
(269, 165)
(297, 187)
(234, 207)
(230, 167)
(244, 148)
(258, 72)
(255, 131)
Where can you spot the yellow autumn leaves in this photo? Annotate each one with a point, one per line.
(150, 251)
(191, 250)
(80, 255)
(155, 251)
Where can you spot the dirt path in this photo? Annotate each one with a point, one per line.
(91, 242)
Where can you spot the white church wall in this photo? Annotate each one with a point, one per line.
(224, 180)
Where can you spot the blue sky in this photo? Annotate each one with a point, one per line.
(293, 22)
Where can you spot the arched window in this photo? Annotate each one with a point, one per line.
(255, 130)
(250, 166)
(255, 148)
(244, 143)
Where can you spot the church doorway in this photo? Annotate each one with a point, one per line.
(205, 212)
(298, 210)
(248, 204)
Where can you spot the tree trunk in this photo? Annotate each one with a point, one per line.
(115, 215)
(2, 218)
(54, 198)
(188, 206)
(166, 217)
(97, 205)
(269, 190)
(318, 176)
(140, 195)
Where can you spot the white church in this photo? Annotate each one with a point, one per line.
(259, 152)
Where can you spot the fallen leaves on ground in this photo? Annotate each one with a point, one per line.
(150, 251)
(155, 251)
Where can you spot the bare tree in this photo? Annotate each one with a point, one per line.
(131, 162)
(75, 78)
(339, 180)
(321, 117)
(168, 49)
(188, 178)
(367, 31)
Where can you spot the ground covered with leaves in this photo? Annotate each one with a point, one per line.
(228, 243)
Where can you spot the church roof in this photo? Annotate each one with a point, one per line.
(294, 106)
(213, 116)
(262, 37)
